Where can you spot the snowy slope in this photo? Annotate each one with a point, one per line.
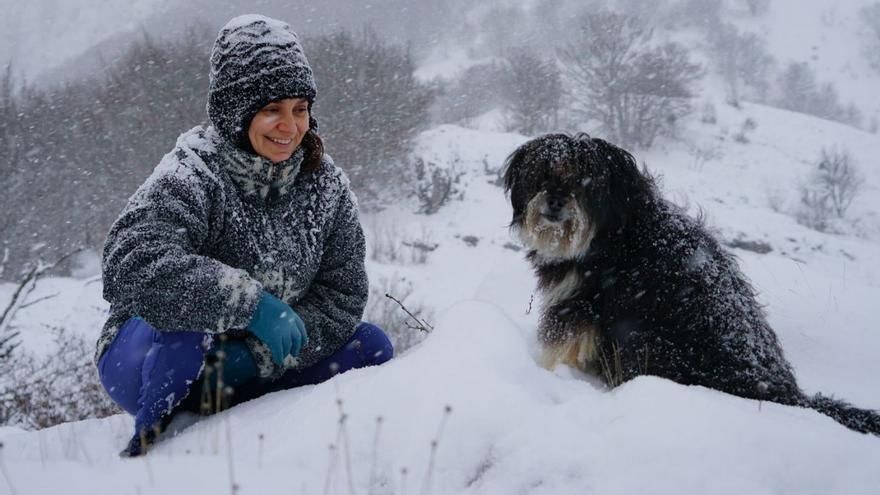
(515, 427)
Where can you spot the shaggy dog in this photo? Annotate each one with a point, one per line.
(633, 286)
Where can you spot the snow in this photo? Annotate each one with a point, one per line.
(514, 427)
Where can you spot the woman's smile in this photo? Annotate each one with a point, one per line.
(278, 128)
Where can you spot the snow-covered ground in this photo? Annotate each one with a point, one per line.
(514, 427)
(511, 426)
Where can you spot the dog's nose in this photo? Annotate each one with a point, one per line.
(555, 203)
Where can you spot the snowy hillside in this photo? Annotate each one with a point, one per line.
(513, 427)
(468, 410)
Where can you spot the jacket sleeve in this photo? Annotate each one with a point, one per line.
(152, 264)
(334, 303)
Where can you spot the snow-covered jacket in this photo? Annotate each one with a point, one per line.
(214, 225)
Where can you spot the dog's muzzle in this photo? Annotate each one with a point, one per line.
(555, 227)
(554, 208)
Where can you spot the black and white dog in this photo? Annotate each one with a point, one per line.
(633, 286)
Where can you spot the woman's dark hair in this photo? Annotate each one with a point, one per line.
(313, 151)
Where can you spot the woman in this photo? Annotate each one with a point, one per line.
(240, 262)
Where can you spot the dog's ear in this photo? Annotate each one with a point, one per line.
(627, 188)
(513, 171)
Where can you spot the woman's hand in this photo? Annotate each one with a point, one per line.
(279, 327)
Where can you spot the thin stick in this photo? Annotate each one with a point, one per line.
(343, 436)
(375, 455)
(35, 301)
(429, 474)
(403, 480)
(29, 282)
(421, 324)
(331, 465)
(233, 487)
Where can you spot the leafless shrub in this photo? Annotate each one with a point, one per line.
(436, 183)
(775, 199)
(500, 28)
(532, 90)
(800, 91)
(704, 154)
(389, 244)
(473, 93)
(830, 190)
(38, 392)
(708, 113)
(870, 15)
(621, 77)
(748, 126)
(388, 315)
(374, 107)
(743, 62)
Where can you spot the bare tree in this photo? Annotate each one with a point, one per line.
(72, 173)
(743, 61)
(620, 77)
(472, 93)
(800, 91)
(373, 106)
(870, 15)
(71, 155)
(839, 179)
(831, 188)
(532, 90)
(500, 28)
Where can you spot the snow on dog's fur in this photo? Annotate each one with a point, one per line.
(633, 286)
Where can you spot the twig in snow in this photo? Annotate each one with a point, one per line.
(35, 301)
(429, 474)
(375, 455)
(420, 324)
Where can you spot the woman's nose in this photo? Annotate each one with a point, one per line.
(286, 122)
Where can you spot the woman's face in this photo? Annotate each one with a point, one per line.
(278, 128)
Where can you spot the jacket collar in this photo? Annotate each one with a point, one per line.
(256, 175)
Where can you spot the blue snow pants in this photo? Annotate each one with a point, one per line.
(148, 372)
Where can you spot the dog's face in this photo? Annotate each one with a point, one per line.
(565, 190)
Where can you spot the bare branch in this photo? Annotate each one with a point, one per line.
(420, 324)
(35, 301)
(26, 286)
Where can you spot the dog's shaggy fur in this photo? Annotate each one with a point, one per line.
(633, 286)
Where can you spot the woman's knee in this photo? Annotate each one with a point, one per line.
(375, 346)
(119, 369)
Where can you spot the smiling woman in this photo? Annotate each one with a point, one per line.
(278, 128)
(239, 264)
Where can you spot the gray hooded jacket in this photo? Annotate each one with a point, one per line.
(213, 226)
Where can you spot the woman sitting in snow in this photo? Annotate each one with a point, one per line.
(239, 264)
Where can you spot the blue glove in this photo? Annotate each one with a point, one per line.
(279, 327)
